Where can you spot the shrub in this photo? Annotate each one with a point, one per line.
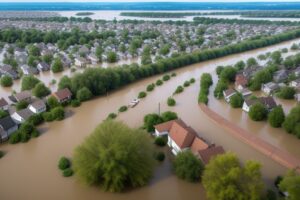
(271, 195)
(58, 113)
(286, 93)
(84, 94)
(258, 112)
(205, 83)
(36, 119)
(219, 70)
(187, 166)
(186, 84)
(142, 94)
(160, 156)
(276, 117)
(220, 87)
(150, 87)
(6, 81)
(64, 163)
(48, 117)
(68, 172)
(21, 105)
(3, 113)
(15, 138)
(192, 80)
(35, 133)
(1, 154)
(166, 77)
(178, 90)
(171, 101)
(160, 141)
(123, 108)
(52, 102)
(112, 116)
(29, 82)
(236, 101)
(159, 82)
(173, 74)
(75, 103)
(40, 90)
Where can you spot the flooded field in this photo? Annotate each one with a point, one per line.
(29, 170)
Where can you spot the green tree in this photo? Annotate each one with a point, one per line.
(151, 120)
(171, 101)
(168, 116)
(21, 105)
(224, 178)
(52, 102)
(97, 160)
(258, 112)
(3, 113)
(58, 113)
(6, 81)
(291, 185)
(187, 166)
(47, 58)
(251, 62)
(236, 101)
(240, 65)
(111, 57)
(84, 94)
(29, 82)
(57, 66)
(40, 90)
(228, 74)
(99, 52)
(220, 87)
(276, 117)
(286, 93)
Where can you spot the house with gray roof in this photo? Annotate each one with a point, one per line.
(7, 127)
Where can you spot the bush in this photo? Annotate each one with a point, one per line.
(271, 195)
(220, 87)
(75, 103)
(35, 119)
(6, 81)
(258, 112)
(171, 101)
(68, 172)
(166, 77)
(1, 154)
(112, 116)
(150, 87)
(286, 93)
(52, 102)
(40, 90)
(205, 83)
(219, 70)
(64, 163)
(58, 113)
(173, 74)
(236, 101)
(192, 80)
(21, 105)
(123, 108)
(168, 116)
(159, 82)
(187, 166)
(3, 113)
(276, 117)
(160, 156)
(84, 94)
(160, 141)
(29, 82)
(48, 117)
(142, 94)
(35, 133)
(178, 90)
(186, 84)
(14, 138)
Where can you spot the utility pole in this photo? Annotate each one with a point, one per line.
(159, 108)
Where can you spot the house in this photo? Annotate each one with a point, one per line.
(63, 95)
(23, 96)
(240, 82)
(42, 66)
(83, 50)
(250, 71)
(22, 115)
(37, 107)
(9, 71)
(270, 88)
(295, 83)
(198, 145)
(245, 93)
(3, 104)
(164, 128)
(29, 70)
(228, 94)
(93, 59)
(207, 154)
(248, 103)
(280, 75)
(180, 138)
(7, 127)
(80, 62)
(268, 102)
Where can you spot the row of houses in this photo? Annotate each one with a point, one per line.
(10, 124)
(182, 137)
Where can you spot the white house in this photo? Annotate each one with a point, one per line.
(248, 103)
(37, 107)
(80, 62)
(228, 94)
(269, 88)
(22, 115)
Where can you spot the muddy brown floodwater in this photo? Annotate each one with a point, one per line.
(29, 170)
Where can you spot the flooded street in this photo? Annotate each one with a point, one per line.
(29, 170)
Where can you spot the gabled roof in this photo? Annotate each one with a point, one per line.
(22, 95)
(7, 123)
(182, 136)
(240, 79)
(166, 126)
(209, 153)
(3, 102)
(198, 145)
(39, 104)
(63, 93)
(229, 92)
(269, 102)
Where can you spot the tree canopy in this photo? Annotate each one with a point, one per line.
(291, 184)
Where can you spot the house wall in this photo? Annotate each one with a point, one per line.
(175, 148)
(157, 133)
(17, 118)
(245, 107)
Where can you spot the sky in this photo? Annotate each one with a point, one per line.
(150, 1)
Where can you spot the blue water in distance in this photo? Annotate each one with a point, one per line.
(60, 6)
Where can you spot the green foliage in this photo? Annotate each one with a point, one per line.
(205, 83)
(40, 90)
(171, 101)
(166, 77)
(173, 74)
(228, 74)
(219, 70)
(168, 116)
(258, 112)
(65, 82)
(21, 105)
(48, 117)
(52, 102)
(160, 156)
(276, 117)
(178, 90)
(64, 163)
(1, 154)
(225, 178)
(220, 87)
(290, 184)
(150, 87)
(75, 103)
(14, 138)
(111, 57)
(29, 82)
(58, 113)
(84, 94)
(187, 166)
(236, 101)
(159, 82)
(3, 113)
(142, 94)
(294, 46)
(271, 195)
(286, 93)
(97, 160)
(150, 120)
(276, 57)
(57, 66)
(251, 62)
(35, 119)
(6, 81)
(186, 84)
(292, 121)
(192, 80)
(262, 76)
(160, 141)
(123, 108)
(68, 172)
(112, 116)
